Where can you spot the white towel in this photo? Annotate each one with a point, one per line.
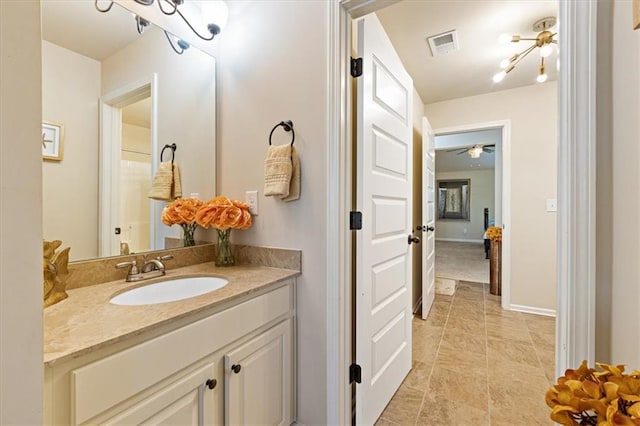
(277, 171)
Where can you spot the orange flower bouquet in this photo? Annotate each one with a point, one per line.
(494, 233)
(224, 215)
(587, 396)
(182, 211)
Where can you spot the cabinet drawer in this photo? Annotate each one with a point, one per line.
(98, 386)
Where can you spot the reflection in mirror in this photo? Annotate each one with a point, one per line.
(121, 97)
(454, 199)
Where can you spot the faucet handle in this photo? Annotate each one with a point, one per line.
(165, 257)
(132, 264)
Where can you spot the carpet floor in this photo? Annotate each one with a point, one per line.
(462, 261)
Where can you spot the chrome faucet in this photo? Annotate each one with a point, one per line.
(151, 268)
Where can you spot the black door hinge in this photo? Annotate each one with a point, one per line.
(355, 373)
(355, 221)
(356, 67)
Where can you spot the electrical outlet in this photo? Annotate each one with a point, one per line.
(251, 198)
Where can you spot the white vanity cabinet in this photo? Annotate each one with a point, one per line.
(233, 366)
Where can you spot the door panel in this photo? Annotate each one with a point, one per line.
(384, 188)
(428, 217)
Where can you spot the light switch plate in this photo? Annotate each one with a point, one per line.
(251, 198)
(552, 204)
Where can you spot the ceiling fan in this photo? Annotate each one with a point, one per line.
(475, 150)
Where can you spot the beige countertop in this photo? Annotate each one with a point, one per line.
(86, 321)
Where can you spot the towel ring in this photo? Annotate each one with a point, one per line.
(287, 126)
(173, 148)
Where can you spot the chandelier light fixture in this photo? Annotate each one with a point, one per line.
(214, 14)
(544, 40)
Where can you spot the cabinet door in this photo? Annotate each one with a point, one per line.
(187, 401)
(259, 379)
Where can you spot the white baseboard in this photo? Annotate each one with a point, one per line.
(459, 240)
(533, 310)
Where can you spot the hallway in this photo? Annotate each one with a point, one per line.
(475, 364)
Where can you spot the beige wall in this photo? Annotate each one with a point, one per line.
(625, 114)
(418, 114)
(21, 372)
(267, 76)
(532, 111)
(482, 195)
(186, 107)
(70, 93)
(137, 140)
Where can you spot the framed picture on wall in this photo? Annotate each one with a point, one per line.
(636, 14)
(52, 139)
(453, 198)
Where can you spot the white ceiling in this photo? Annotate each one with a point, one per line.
(78, 26)
(479, 23)
(448, 148)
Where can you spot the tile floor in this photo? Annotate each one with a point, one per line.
(475, 364)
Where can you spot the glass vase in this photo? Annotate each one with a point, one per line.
(188, 239)
(224, 257)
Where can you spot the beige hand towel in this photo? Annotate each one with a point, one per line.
(277, 171)
(294, 186)
(176, 189)
(166, 184)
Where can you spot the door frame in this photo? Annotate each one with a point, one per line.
(111, 106)
(575, 320)
(505, 126)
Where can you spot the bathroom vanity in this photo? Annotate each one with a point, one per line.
(225, 357)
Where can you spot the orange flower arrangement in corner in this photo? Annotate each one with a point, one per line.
(494, 233)
(586, 396)
(224, 215)
(182, 211)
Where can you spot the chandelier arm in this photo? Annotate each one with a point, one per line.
(103, 10)
(193, 29)
(522, 54)
(528, 39)
(179, 52)
(175, 7)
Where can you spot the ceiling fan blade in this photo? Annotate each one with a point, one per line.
(461, 150)
(487, 150)
(464, 151)
(489, 146)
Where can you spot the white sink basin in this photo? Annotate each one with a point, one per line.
(169, 291)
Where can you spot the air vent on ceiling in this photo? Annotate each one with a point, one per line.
(444, 43)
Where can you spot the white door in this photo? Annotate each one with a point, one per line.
(383, 254)
(428, 217)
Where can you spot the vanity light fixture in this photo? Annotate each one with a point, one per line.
(544, 40)
(214, 14)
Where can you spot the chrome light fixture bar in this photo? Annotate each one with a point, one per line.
(544, 40)
(210, 9)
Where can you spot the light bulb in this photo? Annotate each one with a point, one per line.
(504, 63)
(499, 77)
(546, 50)
(541, 78)
(215, 12)
(504, 38)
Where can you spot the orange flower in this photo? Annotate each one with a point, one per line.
(222, 213)
(494, 233)
(181, 211)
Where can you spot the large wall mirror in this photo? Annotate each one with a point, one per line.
(118, 97)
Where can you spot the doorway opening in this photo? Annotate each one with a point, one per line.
(127, 218)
